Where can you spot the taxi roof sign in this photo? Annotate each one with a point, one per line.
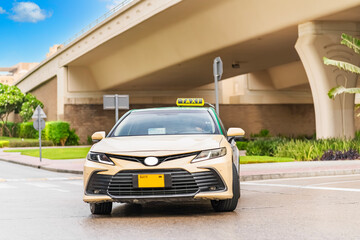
(190, 102)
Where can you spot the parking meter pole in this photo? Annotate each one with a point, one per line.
(116, 108)
(39, 118)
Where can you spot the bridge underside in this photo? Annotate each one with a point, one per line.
(170, 54)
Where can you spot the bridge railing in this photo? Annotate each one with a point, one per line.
(96, 22)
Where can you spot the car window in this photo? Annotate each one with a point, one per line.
(166, 122)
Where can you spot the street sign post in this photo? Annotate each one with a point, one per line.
(218, 71)
(116, 102)
(39, 123)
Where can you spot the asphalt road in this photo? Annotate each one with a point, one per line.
(37, 204)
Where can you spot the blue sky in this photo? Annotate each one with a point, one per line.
(29, 28)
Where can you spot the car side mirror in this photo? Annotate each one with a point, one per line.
(97, 136)
(235, 133)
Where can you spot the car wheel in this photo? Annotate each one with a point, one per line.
(101, 208)
(229, 205)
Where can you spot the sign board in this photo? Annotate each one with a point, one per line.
(218, 68)
(39, 124)
(110, 101)
(38, 112)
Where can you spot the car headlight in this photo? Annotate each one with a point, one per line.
(99, 157)
(210, 154)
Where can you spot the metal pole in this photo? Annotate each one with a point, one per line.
(39, 132)
(216, 95)
(116, 108)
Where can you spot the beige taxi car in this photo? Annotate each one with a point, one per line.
(178, 153)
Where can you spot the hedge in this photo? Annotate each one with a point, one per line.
(4, 144)
(57, 132)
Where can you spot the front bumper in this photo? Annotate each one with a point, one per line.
(193, 181)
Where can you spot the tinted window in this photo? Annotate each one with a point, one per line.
(166, 122)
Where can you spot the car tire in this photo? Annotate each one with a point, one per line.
(101, 208)
(229, 205)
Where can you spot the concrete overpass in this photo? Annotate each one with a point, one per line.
(158, 50)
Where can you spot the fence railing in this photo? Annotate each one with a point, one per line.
(96, 22)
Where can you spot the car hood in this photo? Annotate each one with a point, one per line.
(157, 145)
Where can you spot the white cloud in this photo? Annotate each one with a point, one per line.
(28, 12)
(2, 11)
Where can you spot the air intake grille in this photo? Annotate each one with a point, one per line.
(183, 183)
(98, 184)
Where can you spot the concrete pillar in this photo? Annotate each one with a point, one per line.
(334, 118)
(62, 79)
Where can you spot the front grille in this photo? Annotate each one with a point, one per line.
(161, 158)
(98, 184)
(208, 181)
(183, 183)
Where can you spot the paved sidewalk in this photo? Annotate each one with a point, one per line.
(67, 166)
(248, 172)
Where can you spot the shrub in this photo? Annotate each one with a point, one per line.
(305, 150)
(27, 130)
(264, 147)
(20, 143)
(57, 132)
(242, 145)
(89, 140)
(73, 139)
(4, 144)
(263, 133)
(339, 155)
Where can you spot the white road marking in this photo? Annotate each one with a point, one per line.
(5, 185)
(319, 184)
(42, 185)
(78, 183)
(59, 190)
(304, 178)
(302, 187)
(41, 179)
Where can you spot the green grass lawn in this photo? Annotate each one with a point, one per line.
(263, 159)
(73, 153)
(55, 153)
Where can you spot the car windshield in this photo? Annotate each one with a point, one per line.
(166, 122)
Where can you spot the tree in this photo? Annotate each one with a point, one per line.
(11, 99)
(28, 107)
(354, 44)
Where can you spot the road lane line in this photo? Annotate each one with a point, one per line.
(40, 179)
(42, 185)
(319, 184)
(59, 190)
(5, 185)
(304, 178)
(302, 187)
(75, 183)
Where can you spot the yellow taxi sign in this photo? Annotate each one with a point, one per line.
(188, 102)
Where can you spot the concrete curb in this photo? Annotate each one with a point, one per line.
(297, 175)
(43, 167)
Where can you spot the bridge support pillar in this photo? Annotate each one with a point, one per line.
(334, 118)
(62, 79)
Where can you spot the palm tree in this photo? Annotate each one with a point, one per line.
(353, 43)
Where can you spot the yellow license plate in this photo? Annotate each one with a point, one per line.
(151, 180)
